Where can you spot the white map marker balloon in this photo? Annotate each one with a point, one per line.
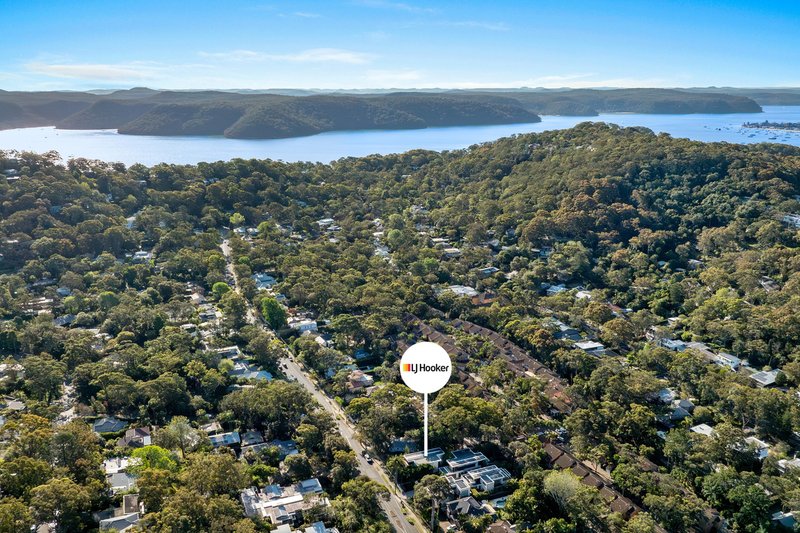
(425, 367)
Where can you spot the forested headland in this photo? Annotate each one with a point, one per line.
(260, 115)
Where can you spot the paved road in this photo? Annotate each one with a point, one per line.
(226, 251)
(393, 507)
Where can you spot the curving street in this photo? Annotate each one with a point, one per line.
(395, 505)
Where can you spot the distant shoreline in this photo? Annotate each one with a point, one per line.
(106, 145)
(774, 126)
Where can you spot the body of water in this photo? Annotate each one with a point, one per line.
(107, 145)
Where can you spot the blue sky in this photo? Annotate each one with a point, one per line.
(398, 44)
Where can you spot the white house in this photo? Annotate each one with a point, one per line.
(264, 281)
(556, 289)
(785, 465)
(727, 360)
(434, 458)
(142, 257)
(282, 505)
(324, 340)
(702, 429)
(591, 347)
(672, 344)
(225, 439)
(229, 352)
(462, 290)
(245, 370)
(488, 478)
(303, 324)
(117, 464)
(761, 448)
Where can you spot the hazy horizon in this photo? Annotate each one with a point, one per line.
(404, 89)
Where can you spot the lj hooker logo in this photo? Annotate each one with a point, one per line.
(425, 367)
(422, 367)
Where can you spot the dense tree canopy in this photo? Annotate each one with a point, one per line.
(626, 237)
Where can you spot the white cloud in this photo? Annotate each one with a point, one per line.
(326, 55)
(234, 69)
(398, 6)
(306, 15)
(234, 55)
(50, 74)
(314, 55)
(94, 71)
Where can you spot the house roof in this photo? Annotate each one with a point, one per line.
(319, 527)
(279, 504)
(435, 455)
(464, 457)
(678, 413)
(212, 427)
(562, 459)
(727, 358)
(565, 461)
(786, 464)
(765, 378)
(607, 494)
(121, 481)
(490, 473)
(118, 464)
(702, 429)
(136, 437)
(593, 480)
(622, 505)
(580, 470)
(225, 439)
(589, 345)
(120, 523)
(252, 437)
(309, 486)
(462, 290)
(401, 445)
(465, 506)
(552, 451)
(108, 424)
(501, 526)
